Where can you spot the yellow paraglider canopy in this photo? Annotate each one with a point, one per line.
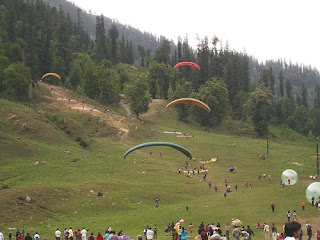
(51, 74)
(190, 101)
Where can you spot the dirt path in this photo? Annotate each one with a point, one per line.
(60, 98)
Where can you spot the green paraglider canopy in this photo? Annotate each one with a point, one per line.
(167, 144)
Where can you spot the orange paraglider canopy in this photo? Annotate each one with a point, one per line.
(190, 101)
(187, 63)
(51, 74)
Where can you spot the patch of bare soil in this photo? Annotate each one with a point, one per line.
(60, 98)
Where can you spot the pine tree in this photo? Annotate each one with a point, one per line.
(114, 35)
(142, 54)
(281, 84)
(317, 97)
(304, 96)
(130, 59)
(288, 89)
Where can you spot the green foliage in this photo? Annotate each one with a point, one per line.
(138, 95)
(215, 94)
(108, 85)
(258, 107)
(114, 35)
(183, 91)
(301, 120)
(159, 77)
(17, 80)
(162, 54)
(4, 63)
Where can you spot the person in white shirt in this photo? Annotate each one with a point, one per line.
(57, 234)
(84, 234)
(1, 235)
(36, 236)
(70, 233)
(149, 234)
(292, 230)
(266, 231)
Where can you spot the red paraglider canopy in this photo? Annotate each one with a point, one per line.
(187, 63)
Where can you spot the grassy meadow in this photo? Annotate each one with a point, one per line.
(41, 157)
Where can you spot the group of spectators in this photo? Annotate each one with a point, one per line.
(21, 235)
(70, 234)
(214, 232)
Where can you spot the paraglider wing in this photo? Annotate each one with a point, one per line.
(187, 63)
(190, 101)
(167, 144)
(51, 74)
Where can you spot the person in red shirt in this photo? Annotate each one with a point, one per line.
(302, 205)
(99, 236)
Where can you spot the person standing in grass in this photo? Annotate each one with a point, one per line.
(174, 234)
(288, 215)
(70, 233)
(1, 235)
(294, 215)
(99, 236)
(292, 230)
(274, 232)
(149, 234)
(272, 206)
(183, 234)
(250, 232)
(155, 232)
(84, 234)
(302, 205)
(57, 234)
(28, 237)
(309, 232)
(227, 229)
(266, 231)
(191, 230)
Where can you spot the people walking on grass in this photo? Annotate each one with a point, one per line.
(272, 205)
(294, 215)
(227, 230)
(309, 232)
(288, 215)
(302, 205)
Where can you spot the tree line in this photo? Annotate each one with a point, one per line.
(36, 38)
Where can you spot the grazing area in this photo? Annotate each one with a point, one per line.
(62, 164)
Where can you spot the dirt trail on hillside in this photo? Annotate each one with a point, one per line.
(60, 98)
(157, 105)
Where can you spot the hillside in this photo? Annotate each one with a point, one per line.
(43, 155)
(146, 39)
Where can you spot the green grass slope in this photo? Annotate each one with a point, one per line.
(42, 155)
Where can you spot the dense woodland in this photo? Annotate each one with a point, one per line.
(36, 38)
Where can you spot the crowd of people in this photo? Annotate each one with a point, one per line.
(235, 230)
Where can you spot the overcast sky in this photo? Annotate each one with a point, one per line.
(266, 29)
